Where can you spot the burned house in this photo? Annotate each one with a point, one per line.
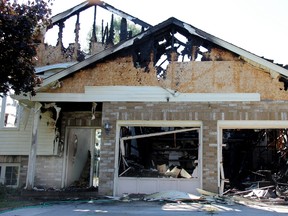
(171, 107)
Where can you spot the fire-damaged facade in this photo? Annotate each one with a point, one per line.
(171, 107)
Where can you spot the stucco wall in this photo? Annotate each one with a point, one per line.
(208, 113)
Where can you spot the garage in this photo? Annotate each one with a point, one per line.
(156, 156)
(253, 154)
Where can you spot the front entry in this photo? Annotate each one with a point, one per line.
(82, 156)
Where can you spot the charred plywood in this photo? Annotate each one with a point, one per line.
(224, 77)
(107, 37)
(217, 54)
(49, 55)
(185, 77)
(120, 71)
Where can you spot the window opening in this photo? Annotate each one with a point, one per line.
(164, 152)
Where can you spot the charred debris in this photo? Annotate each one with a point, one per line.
(159, 152)
(255, 163)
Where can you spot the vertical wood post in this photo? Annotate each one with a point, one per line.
(33, 148)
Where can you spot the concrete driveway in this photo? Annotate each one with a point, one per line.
(110, 207)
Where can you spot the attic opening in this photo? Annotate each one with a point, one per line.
(158, 152)
(254, 158)
(285, 82)
(176, 45)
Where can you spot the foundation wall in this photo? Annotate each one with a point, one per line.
(208, 113)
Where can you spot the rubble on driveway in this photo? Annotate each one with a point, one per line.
(174, 196)
(254, 197)
(208, 202)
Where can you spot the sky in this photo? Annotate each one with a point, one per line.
(258, 26)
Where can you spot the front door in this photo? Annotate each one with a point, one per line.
(81, 162)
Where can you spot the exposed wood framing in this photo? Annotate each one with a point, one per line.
(85, 5)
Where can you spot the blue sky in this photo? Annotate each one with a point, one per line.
(259, 26)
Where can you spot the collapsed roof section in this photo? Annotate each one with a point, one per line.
(98, 36)
(62, 17)
(174, 40)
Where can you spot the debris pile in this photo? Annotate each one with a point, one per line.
(255, 197)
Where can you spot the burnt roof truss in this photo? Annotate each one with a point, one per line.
(167, 46)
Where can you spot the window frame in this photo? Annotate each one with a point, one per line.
(3, 114)
(3, 173)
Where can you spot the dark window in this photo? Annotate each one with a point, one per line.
(11, 175)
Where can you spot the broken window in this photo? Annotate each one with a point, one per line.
(254, 158)
(164, 152)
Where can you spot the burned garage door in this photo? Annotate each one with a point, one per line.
(254, 158)
(158, 158)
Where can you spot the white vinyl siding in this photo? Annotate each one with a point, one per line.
(18, 142)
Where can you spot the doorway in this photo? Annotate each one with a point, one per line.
(82, 157)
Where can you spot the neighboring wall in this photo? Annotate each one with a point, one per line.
(206, 112)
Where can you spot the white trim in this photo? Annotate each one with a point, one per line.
(251, 124)
(140, 94)
(158, 123)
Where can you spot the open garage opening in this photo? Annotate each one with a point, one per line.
(253, 158)
(156, 156)
(170, 152)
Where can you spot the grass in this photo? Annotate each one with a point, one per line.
(10, 198)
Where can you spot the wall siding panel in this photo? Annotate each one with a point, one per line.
(18, 141)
